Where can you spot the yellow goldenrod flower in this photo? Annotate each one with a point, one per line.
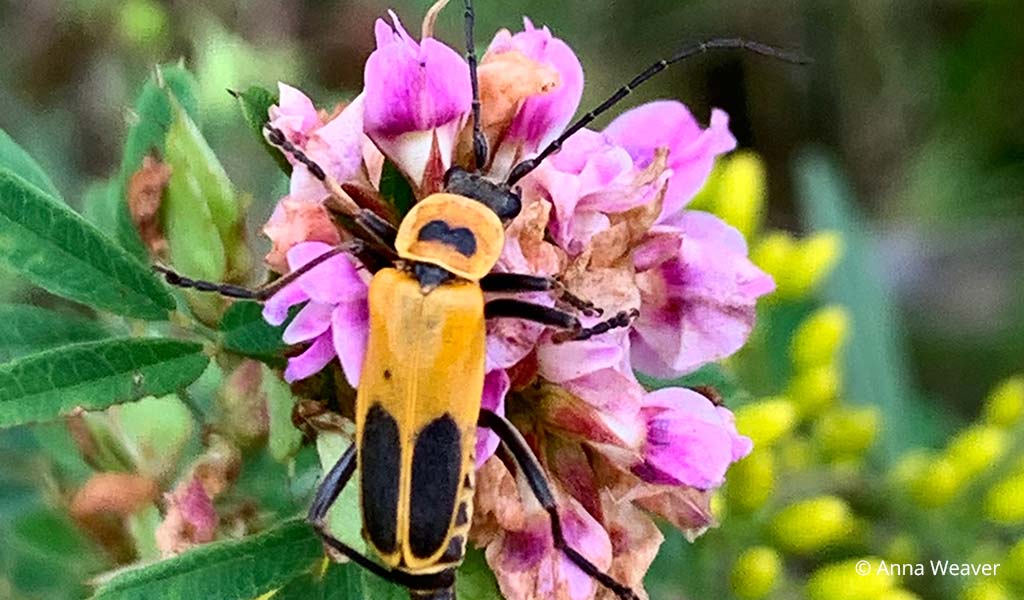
(756, 572)
(1004, 502)
(898, 594)
(1005, 403)
(855, 579)
(975, 449)
(741, 192)
(985, 590)
(766, 421)
(751, 481)
(814, 390)
(937, 483)
(846, 432)
(813, 524)
(774, 253)
(818, 338)
(1013, 565)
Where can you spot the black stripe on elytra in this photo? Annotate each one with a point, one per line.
(436, 463)
(459, 238)
(379, 471)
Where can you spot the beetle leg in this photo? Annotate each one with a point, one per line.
(521, 282)
(524, 457)
(572, 329)
(326, 494)
(262, 293)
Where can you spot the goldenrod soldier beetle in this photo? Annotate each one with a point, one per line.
(418, 404)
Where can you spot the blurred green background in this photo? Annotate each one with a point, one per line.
(905, 135)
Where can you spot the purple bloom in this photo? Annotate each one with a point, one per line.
(692, 149)
(699, 291)
(418, 97)
(335, 319)
(690, 441)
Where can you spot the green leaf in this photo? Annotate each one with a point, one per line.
(231, 570)
(247, 333)
(255, 103)
(284, 438)
(60, 251)
(25, 329)
(876, 371)
(197, 184)
(94, 375)
(15, 159)
(340, 582)
(151, 119)
(395, 188)
(100, 203)
(475, 578)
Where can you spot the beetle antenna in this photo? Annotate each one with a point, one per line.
(479, 141)
(525, 167)
(277, 138)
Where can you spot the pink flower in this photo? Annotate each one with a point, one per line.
(692, 149)
(541, 117)
(335, 319)
(417, 97)
(699, 291)
(690, 441)
(294, 222)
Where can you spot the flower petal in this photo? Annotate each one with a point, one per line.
(294, 114)
(496, 386)
(692, 149)
(275, 310)
(350, 328)
(312, 320)
(310, 362)
(334, 281)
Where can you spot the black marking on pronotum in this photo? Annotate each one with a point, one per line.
(379, 473)
(436, 463)
(459, 238)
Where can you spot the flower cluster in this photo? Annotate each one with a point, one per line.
(607, 215)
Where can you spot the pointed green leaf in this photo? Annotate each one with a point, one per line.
(15, 159)
(340, 582)
(25, 329)
(231, 570)
(149, 123)
(395, 188)
(247, 333)
(94, 375)
(255, 103)
(60, 251)
(100, 203)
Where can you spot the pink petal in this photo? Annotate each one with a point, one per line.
(412, 86)
(690, 441)
(542, 117)
(275, 310)
(334, 281)
(350, 327)
(700, 306)
(312, 320)
(294, 114)
(692, 149)
(496, 386)
(337, 147)
(310, 362)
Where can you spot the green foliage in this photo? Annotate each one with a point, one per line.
(395, 188)
(230, 570)
(152, 117)
(25, 329)
(60, 251)
(94, 375)
(255, 102)
(16, 160)
(246, 333)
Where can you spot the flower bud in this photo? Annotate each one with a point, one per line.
(902, 549)
(751, 481)
(1005, 403)
(815, 259)
(740, 192)
(935, 483)
(986, 590)
(1004, 502)
(1013, 565)
(850, 580)
(766, 421)
(818, 338)
(756, 572)
(811, 525)
(846, 432)
(814, 389)
(773, 253)
(977, 448)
